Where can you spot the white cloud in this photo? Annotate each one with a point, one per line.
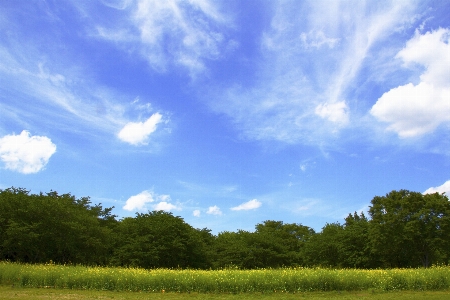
(137, 202)
(184, 33)
(333, 112)
(196, 213)
(117, 4)
(137, 133)
(214, 210)
(431, 50)
(252, 204)
(298, 95)
(414, 110)
(164, 198)
(65, 99)
(316, 39)
(444, 188)
(307, 207)
(166, 206)
(25, 153)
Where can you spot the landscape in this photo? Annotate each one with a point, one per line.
(63, 242)
(224, 149)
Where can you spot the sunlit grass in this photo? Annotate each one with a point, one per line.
(223, 281)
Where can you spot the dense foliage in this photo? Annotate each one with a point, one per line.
(405, 229)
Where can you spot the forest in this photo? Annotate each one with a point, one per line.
(403, 229)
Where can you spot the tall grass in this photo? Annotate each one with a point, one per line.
(223, 281)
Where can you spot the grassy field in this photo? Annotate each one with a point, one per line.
(9, 292)
(222, 282)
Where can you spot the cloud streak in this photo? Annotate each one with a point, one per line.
(249, 205)
(310, 57)
(55, 89)
(171, 33)
(57, 98)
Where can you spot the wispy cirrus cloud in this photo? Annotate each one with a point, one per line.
(50, 87)
(38, 92)
(64, 98)
(171, 33)
(311, 55)
(117, 4)
(316, 39)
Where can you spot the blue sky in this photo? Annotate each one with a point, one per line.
(226, 113)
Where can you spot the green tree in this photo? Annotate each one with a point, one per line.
(354, 245)
(325, 248)
(409, 229)
(202, 255)
(18, 236)
(278, 244)
(44, 227)
(273, 244)
(232, 250)
(159, 240)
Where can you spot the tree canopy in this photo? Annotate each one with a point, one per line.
(403, 229)
(409, 228)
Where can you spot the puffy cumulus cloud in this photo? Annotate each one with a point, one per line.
(214, 210)
(196, 213)
(166, 206)
(252, 204)
(24, 153)
(138, 202)
(444, 188)
(414, 110)
(137, 133)
(431, 50)
(333, 112)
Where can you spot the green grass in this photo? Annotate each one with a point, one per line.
(265, 281)
(9, 292)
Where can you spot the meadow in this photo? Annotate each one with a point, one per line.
(225, 281)
(13, 293)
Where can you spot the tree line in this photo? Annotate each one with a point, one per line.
(403, 229)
